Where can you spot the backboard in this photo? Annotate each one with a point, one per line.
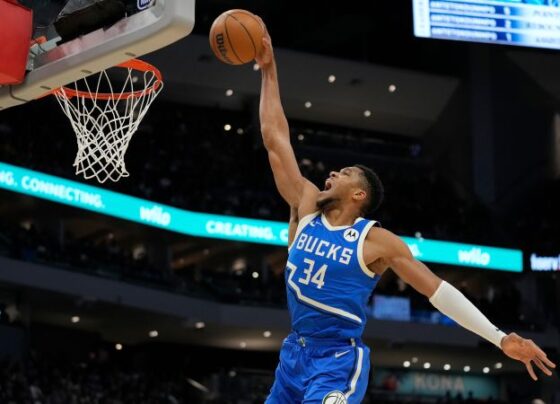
(148, 26)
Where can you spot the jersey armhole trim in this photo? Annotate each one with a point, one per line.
(301, 225)
(361, 241)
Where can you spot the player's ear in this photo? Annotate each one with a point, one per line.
(359, 195)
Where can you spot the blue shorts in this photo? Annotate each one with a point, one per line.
(317, 371)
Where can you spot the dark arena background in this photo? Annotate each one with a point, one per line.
(177, 295)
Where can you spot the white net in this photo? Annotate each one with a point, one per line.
(105, 122)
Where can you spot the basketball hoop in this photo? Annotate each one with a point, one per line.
(105, 120)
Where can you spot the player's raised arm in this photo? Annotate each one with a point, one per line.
(389, 251)
(276, 135)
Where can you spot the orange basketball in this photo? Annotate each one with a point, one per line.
(236, 37)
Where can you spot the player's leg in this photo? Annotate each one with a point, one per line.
(342, 378)
(287, 387)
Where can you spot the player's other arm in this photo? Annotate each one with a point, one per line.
(395, 254)
(292, 227)
(293, 187)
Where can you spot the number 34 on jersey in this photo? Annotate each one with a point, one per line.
(316, 276)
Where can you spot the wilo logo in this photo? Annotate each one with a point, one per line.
(474, 256)
(156, 215)
(144, 4)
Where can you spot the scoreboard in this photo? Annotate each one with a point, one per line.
(533, 23)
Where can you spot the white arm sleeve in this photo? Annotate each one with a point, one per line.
(448, 300)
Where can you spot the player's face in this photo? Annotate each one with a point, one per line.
(340, 186)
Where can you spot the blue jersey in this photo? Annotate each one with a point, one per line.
(328, 284)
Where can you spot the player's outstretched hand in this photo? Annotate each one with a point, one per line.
(526, 351)
(266, 57)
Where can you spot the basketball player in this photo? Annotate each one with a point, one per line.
(336, 257)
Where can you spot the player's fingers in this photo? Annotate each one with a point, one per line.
(537, 348)
(531, 371)
(542, 367)
(268, 48)
(260, 20)
(263, 25)
(544, 358)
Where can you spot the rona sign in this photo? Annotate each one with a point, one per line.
(437, 384)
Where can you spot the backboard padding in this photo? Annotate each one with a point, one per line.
(165, 22)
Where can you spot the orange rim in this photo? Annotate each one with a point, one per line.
(134, 64)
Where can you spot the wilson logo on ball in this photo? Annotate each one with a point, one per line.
(222, 47)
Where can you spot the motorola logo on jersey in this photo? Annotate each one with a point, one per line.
(351, 235)
(323, 248)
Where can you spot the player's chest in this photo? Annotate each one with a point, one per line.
(337, 249)
(321, 259)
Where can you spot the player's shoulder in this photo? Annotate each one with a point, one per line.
(385, 239)
(378, 233)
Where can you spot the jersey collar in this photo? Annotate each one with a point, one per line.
(329, 227)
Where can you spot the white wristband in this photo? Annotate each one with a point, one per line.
(448, 300)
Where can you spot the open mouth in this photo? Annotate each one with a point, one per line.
(328, 185)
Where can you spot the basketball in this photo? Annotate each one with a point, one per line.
(236, 37)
